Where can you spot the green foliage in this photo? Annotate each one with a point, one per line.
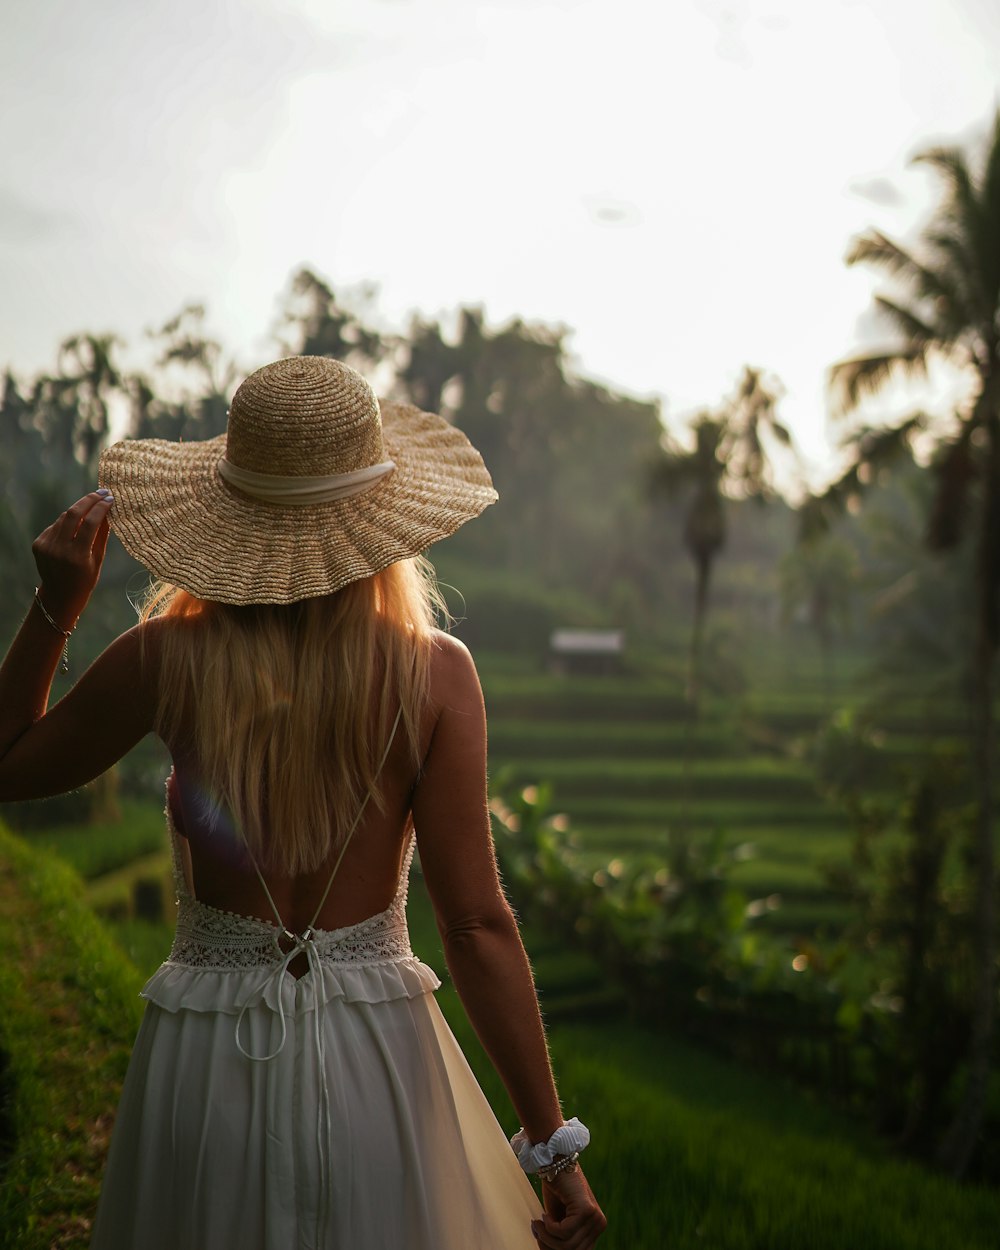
(674, 933)
(880, 1018)
(69, 1009)
(912, 945)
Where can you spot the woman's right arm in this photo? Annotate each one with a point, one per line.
(47, 751)
(482, 944)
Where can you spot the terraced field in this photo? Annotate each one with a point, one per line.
(631, 770)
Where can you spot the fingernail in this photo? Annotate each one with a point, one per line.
(103, 490)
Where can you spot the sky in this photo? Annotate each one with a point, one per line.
(676, 183)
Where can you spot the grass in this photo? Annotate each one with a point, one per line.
(68, 1014)
(98, 849)
(723, 1160)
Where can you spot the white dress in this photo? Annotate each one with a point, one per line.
(336, 1110)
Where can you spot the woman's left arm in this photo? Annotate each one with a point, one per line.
(111, 707)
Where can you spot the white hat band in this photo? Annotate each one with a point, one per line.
(295, 490)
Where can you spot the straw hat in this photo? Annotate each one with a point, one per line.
(314, 485)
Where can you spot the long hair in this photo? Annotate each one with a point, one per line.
(287, 708)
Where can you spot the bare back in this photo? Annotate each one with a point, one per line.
(222, 875)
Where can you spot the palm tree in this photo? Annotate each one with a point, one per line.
(945, 305)
(728, 459)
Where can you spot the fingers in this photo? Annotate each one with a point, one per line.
(92, 523)
(83, 519)
(572, 1219)
(69, 554)
(563, 1236)
(103, 534)
(577, 1231)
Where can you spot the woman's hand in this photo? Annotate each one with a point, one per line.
(69, 555)
(572, 1219)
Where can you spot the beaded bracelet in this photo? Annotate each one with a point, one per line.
(64, 658)
(567, 1163)
(570, 1138)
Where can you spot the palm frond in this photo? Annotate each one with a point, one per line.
(928, 282)
(878, 447)
(874, 449)
(953, 166)
(876, 248)
(972, 217)
(914, 329)
(850, 381)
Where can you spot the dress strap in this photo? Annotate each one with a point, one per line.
(350, 834)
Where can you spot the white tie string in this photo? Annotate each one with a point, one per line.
(305, 944)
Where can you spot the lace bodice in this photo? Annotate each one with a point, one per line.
(208, 937)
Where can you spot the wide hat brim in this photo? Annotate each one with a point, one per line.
(175, 514)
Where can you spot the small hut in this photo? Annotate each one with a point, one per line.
(586, 652)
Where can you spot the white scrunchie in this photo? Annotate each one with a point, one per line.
(571, 1136)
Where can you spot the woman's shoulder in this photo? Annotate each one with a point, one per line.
(453, 674)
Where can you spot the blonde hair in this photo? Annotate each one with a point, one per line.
(288, 708)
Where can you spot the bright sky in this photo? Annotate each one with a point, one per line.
(676, 181)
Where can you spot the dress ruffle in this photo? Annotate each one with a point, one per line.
(178, 987)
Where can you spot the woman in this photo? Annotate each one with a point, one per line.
(293, 1082)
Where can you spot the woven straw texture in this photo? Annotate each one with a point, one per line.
(306, 416)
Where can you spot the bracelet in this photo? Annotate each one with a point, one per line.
(568, 1163)
(569, 1139)
(64, 659)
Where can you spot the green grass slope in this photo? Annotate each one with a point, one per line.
(68, 1014)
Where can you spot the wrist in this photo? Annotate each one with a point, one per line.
(54, 624)
(60, 613)
(565, 1143)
